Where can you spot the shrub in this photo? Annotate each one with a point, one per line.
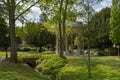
(110, 51)
(50, 64)
(101, 52)
(26, 49)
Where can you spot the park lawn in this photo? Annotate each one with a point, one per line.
(19, 72)
(102, 68)
(4, 53)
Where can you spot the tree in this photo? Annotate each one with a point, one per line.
(115, 22)
(4, 34)
(14, 10)
(38, 36)
(58, 17)
(20, 35)
(100, 27)
(87, 12)
(61, 52)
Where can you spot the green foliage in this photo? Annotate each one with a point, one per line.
(20, 32)
(19, 72)
(98, 30)
(4, 36)
(50, 64)
(100, 27)
(20, 35)
(115, 22)
(107, 52)
(110, 51)
(37, 35)
(101, 52)
(26, 49)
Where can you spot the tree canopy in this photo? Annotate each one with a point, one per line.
(115, 22)
(38, 36)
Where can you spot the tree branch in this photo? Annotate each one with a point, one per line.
(18, 3)
(26, 10)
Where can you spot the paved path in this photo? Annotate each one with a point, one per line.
(1, 59)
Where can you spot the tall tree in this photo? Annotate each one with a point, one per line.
(64, 24)
(60, 29)
(14, 10)
(115, 22)
(100, 26)
(38, 35)
(58, 15)
(87, 12)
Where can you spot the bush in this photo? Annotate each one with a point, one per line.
(50, 64)
(101, 52)
(26, 49)
(107, 51)
(110, 51)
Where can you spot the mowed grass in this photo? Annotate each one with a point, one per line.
(102, 68)
(24, 53)
(19, 72)
(4, 53)
(19, 53)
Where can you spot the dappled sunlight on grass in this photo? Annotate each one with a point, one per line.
(102, 68)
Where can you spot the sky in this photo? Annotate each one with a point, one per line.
(35, 12)
(104, 3)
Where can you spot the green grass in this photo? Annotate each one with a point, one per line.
(50, 64)
(19, 72)
(102, 68)
(4, 53)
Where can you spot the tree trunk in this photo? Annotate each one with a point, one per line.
(71, 43)
(79, 48)
(89, 70)
(66, 49)
(83, 48)
(57, 43)
(88, 19)
(64, 24)
(13, 56)
(118, 51)
(60, 30)
(40, 49)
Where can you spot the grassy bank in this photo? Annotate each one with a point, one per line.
(19, 72)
